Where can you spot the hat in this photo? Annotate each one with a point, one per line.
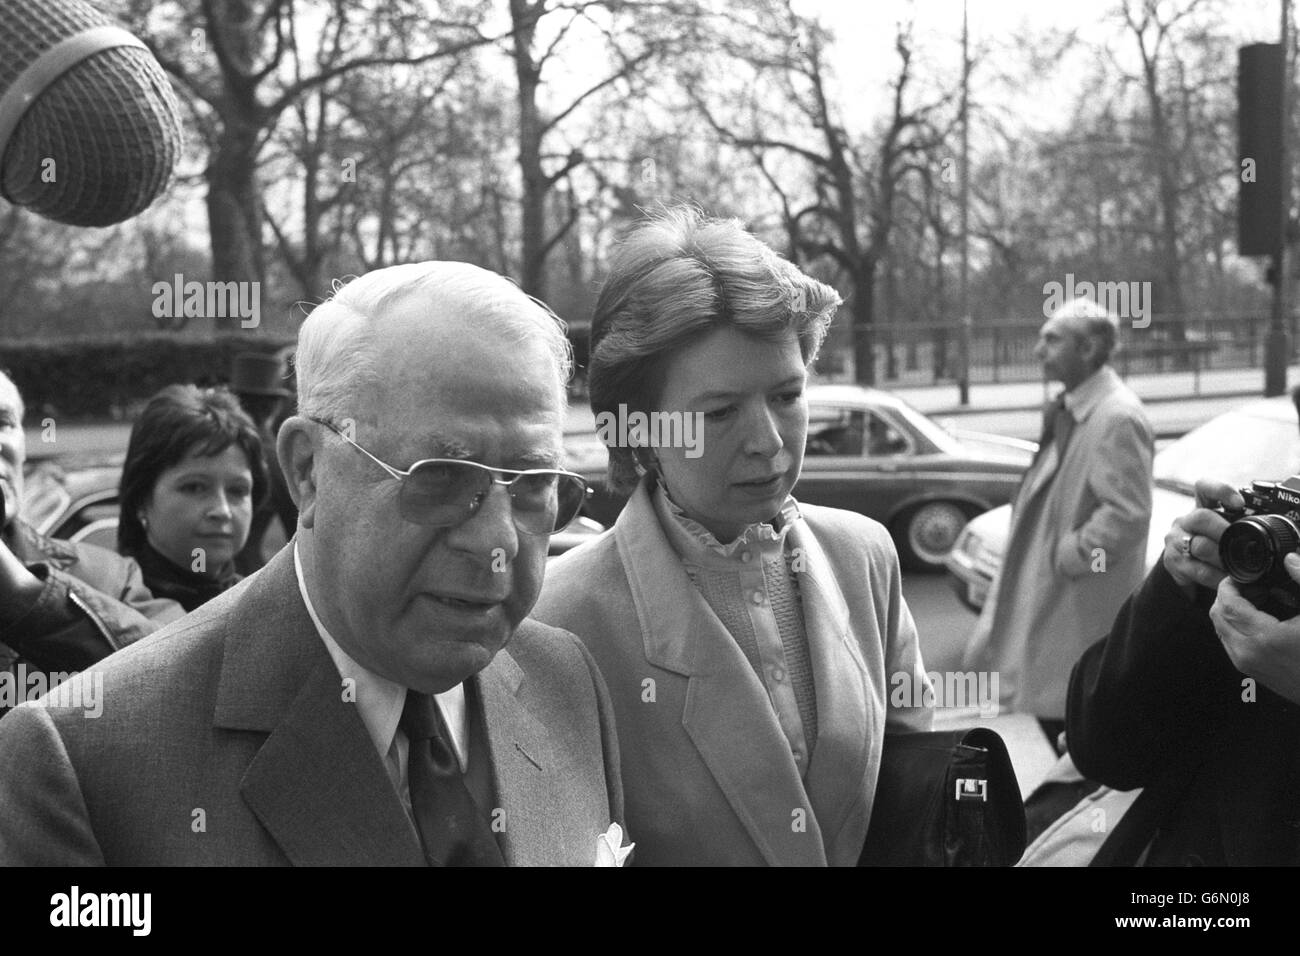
(256, 374)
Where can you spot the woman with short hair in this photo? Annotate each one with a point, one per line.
(192, 477)
(748, 641)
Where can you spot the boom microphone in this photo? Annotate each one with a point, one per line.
(89, 126)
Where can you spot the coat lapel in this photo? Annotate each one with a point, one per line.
(1039, 476)
(844, 724)
(317, 784)
(527, 787)
(727, 714)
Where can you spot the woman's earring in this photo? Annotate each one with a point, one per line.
(144, 522)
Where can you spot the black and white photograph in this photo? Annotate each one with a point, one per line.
(866, 434)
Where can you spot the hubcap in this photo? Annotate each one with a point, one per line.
(933, 530)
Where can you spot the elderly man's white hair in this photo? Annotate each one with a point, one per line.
(1093, 320)
(335, 358)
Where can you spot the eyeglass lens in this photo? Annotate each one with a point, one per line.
(446, 493)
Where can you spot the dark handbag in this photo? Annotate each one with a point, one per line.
(946, 798)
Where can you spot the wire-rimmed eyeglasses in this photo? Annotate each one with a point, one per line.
(443, 492)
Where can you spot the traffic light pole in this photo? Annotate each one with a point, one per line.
(1279, 344)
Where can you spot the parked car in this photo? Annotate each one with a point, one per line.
(77, 500)
(1256, 441)
(869, 451)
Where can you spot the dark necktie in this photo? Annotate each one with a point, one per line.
(453, 831)
(1058, 423)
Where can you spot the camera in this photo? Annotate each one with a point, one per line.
(1260, 536)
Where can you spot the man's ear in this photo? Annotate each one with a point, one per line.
(297, 446)
(1090, 349)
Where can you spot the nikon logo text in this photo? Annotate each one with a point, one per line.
(102, 909)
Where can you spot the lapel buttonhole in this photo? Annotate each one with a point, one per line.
(527, 755)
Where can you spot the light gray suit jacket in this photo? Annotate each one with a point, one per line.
(708, 773)
(225, 739)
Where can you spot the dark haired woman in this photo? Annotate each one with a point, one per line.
(192, 476)
(753, 646)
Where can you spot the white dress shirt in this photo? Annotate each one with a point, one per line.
(379, 703)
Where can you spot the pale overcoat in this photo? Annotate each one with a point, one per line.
(1076, 550)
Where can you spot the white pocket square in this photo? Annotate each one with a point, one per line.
(609, 847)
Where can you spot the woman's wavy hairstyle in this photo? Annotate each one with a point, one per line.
(180, 419)
(678, 276)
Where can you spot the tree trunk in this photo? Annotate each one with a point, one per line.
(234, 196)
(523, 17)
(891, 320)
(864, 345)
(235, 207)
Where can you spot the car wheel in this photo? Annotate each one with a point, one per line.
(926, 533)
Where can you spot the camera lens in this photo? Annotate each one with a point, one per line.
(1252, 547)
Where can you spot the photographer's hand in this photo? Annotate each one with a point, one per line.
(1258, 644)
(1192, 545)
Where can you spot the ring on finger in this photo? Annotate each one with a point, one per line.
(1186, 544)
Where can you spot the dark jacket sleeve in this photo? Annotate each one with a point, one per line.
(91, 606)
(1147, 696)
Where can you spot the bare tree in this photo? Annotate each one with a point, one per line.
(849, 217)
(232, 59)
(538, 32)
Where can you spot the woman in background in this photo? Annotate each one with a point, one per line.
(750, 643)
(192, 476)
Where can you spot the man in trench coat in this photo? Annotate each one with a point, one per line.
(1079, 522)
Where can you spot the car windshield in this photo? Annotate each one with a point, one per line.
(1237, 447)
(930, 429)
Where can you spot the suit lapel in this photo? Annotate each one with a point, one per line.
(317, 784)
(844, 723)
(320, 789)
(523, 766)
(727, 714)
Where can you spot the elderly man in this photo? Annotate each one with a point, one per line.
(1079, 522)
(353, 702)
(63, 606)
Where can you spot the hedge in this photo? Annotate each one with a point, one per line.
(109, 378)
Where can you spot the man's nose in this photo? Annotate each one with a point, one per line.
(762, 435)
(490, 532)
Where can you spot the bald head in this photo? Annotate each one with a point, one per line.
(1085, 318)
(345, 343)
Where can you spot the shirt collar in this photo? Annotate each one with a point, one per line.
(692, 539)
(379, 700)
(1087, 395)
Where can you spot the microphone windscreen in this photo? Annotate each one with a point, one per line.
(89, 126)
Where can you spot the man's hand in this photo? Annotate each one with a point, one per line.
(1192, 545)
(1258, 644)
(19, 588)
